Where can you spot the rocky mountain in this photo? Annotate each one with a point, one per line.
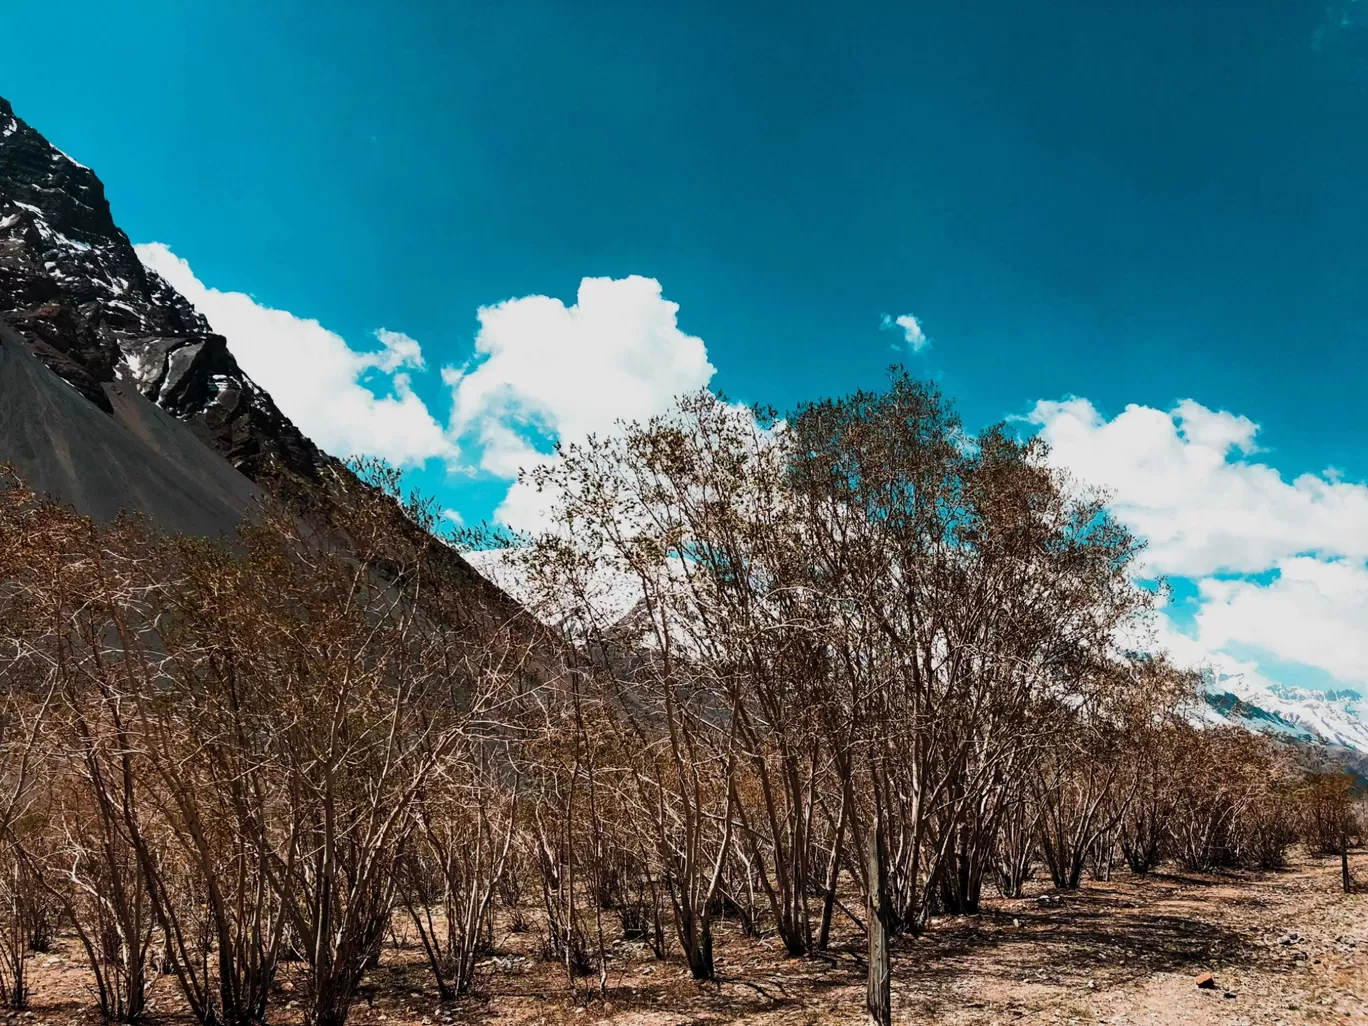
(126, 454)
(1331, 718)
(116, 394)
(74, 290)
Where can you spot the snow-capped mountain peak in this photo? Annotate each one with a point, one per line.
(1297, 714)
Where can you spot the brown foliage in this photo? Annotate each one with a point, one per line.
(849, 663)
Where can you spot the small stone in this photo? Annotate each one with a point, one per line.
(1228, 994)
(1206, 981)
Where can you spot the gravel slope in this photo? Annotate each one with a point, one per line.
(138, 458)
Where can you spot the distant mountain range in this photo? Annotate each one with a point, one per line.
(1334, 718)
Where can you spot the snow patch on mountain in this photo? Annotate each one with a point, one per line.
(74, 289)
(606, 596)
(1291, 713)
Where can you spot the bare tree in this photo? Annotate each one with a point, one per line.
(850, 660)
(453, 866)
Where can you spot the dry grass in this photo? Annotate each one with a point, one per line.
(1120, 952)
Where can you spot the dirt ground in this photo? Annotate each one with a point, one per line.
(1284, 948)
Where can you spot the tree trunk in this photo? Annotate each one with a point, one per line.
(700, 951)
(879, 993)
(833, 876)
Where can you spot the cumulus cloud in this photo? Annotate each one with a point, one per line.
(320, 382)
(544, 371)
(1313, 612)
(1279, 564)
(1189, 480)
(911, 330)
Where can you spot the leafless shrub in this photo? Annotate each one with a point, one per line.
(795, 667)
(452, 867)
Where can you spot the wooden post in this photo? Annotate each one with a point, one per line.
(1344, 852)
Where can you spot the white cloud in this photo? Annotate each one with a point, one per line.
(1279, 564)
(1188, 481)
(315, 377)
(542, 372)
(1313, 612)
(910, 327)
(400, 351)
(546, 370)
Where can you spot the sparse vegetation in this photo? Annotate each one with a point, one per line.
(870, 669)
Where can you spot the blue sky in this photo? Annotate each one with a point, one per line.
(1132, 203)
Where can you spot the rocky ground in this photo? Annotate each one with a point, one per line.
(1282, 948)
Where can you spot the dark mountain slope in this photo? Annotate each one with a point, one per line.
(137, 457)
